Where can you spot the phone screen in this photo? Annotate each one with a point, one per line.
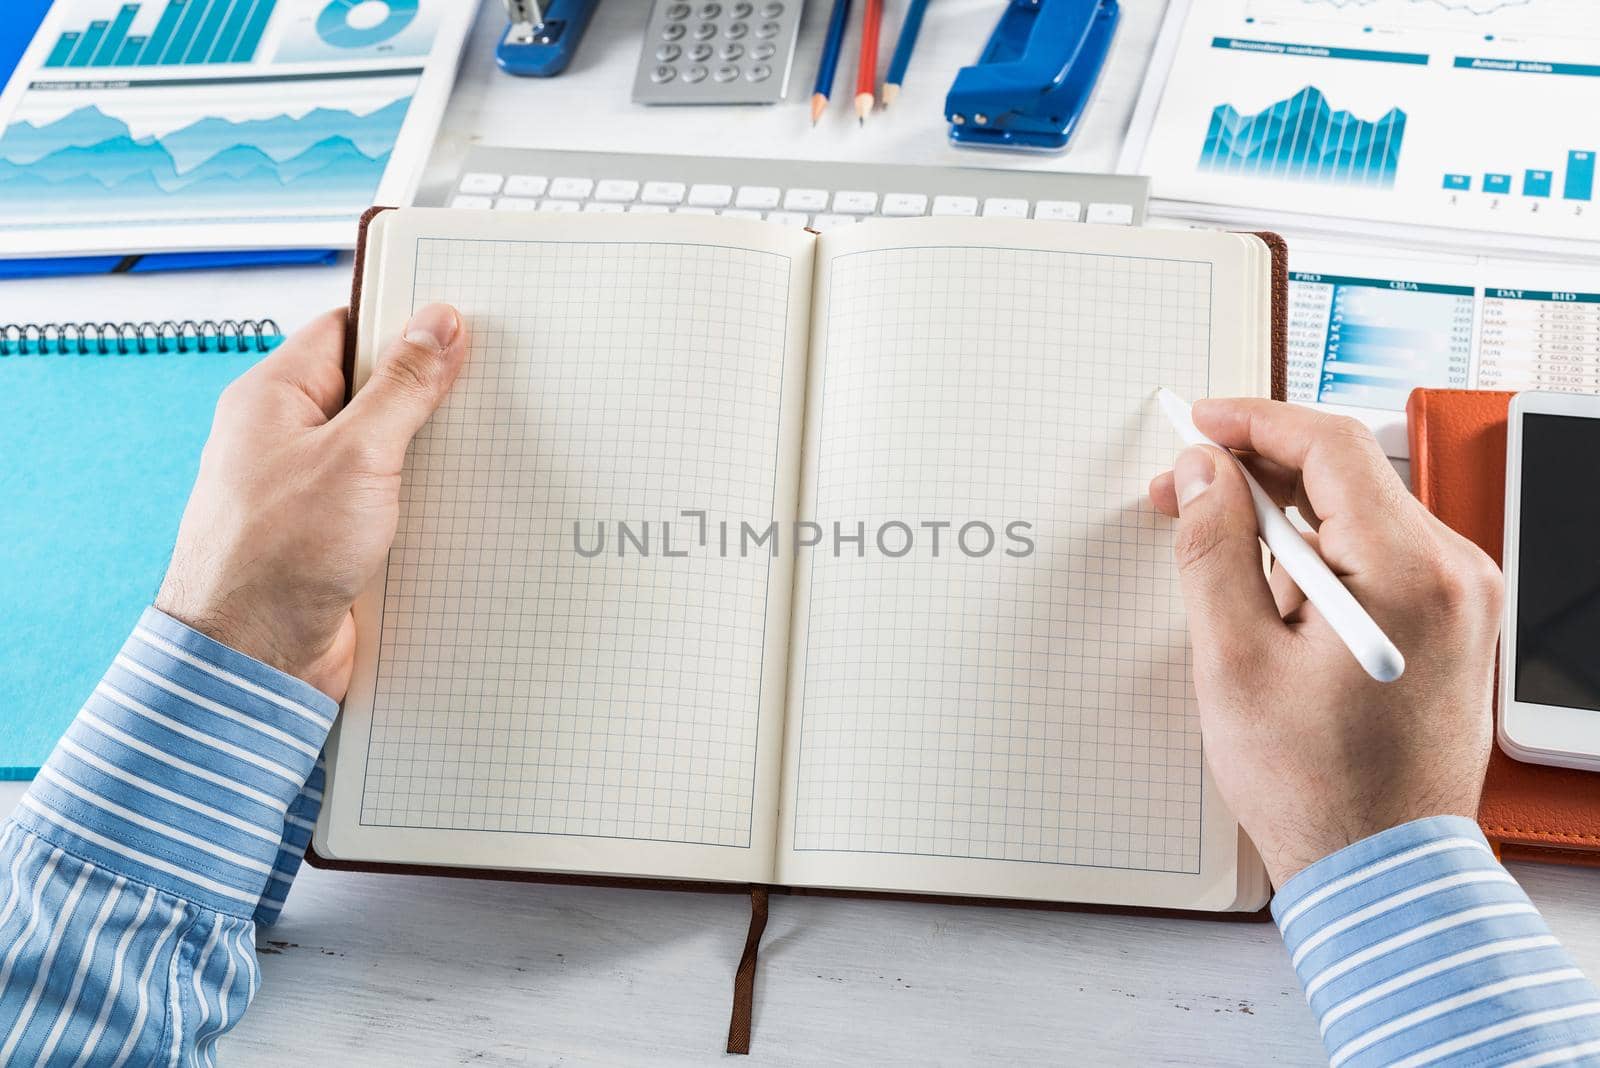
(1558, 563)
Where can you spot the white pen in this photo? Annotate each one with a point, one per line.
(1364, 638)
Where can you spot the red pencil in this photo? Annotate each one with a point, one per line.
(867, 75)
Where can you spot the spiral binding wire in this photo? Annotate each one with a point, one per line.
(138, 339)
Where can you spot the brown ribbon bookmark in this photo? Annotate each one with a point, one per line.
(744, 980)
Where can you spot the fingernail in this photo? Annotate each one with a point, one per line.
(1193, 473)
(434, 326)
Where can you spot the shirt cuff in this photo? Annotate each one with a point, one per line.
(180, 769)
(1415, 944)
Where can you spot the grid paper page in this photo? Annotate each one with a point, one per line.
(521, 686)
(1035, 708)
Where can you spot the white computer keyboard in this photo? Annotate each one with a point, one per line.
(790, 192)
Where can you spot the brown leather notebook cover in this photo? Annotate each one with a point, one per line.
(1458, 470)
(744, 977)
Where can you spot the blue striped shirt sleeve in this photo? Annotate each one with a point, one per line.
(166, 824)
(1416, 947)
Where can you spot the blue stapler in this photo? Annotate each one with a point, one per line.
(1035, 76)
(542, 36)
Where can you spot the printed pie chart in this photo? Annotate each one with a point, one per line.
(361, 23)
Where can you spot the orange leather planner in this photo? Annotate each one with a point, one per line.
(1458, 470)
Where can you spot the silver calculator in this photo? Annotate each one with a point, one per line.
(717, 52)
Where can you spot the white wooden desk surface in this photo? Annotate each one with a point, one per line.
(405, 970)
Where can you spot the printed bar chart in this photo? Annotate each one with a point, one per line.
(1580, 176)
(1462, 182)
(1304, 139)
(1536, 183)
(187, 31)
(1497, 183)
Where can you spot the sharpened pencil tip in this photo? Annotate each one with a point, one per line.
(819, 104)
(890, 92)
(863, 106)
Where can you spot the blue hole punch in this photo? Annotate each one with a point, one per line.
(1035, 77)
(542, 35)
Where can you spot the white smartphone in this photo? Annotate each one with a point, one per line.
(1550, 640)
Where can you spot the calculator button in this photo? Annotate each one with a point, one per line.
(700, 53)
(695, 74)
(789, 218)
(832, 222)
(805, 200)
(678, 12)
(471, 202)
(736, 30)
(616, 189)
(705, 31)
(693, 211)
(768, 29)
(516, 204)
(647, 209)
(740, 213)
(905, 204)
(726, 73)
(742, 11)
(757, 196)
(526, 185)
(663, 74)
(855, 203)
(662, 193)
(1005, 208)
(710, 11)
(764, 50)
(758, 73)
(599, 208)
(710, 196)
(562, 207)
(1111, 214)
(730, 51)
(771, 11)
(1058, 210)
(571, 188)
(479, 183)
(955, 205)
(668, 52)
(672, 32)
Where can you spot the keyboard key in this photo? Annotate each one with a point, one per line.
(516, 204)
(600, 207)
(479, 183)
(806, 200)
(789, 218)
(694, 211)
(740, 213)
(571, 188)
(662, 193)
(1058, 210)
(946, 205)
(830, 222)
(905, 204)
(526, 185)
(1005, 208)
(1111, 214)
(616, 189)
(559, 207)
(853, 202)
(459, 201)
(763, 197)
(647, 209)
(710, 196)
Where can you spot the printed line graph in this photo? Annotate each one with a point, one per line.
(1559, 19)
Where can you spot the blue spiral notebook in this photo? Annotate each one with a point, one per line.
(100, 439)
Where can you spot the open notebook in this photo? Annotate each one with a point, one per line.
(598, 648)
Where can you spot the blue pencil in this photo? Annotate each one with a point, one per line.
(830, 58)
(902, 50)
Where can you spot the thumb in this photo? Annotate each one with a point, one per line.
(411, 378)
(1219, 557)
